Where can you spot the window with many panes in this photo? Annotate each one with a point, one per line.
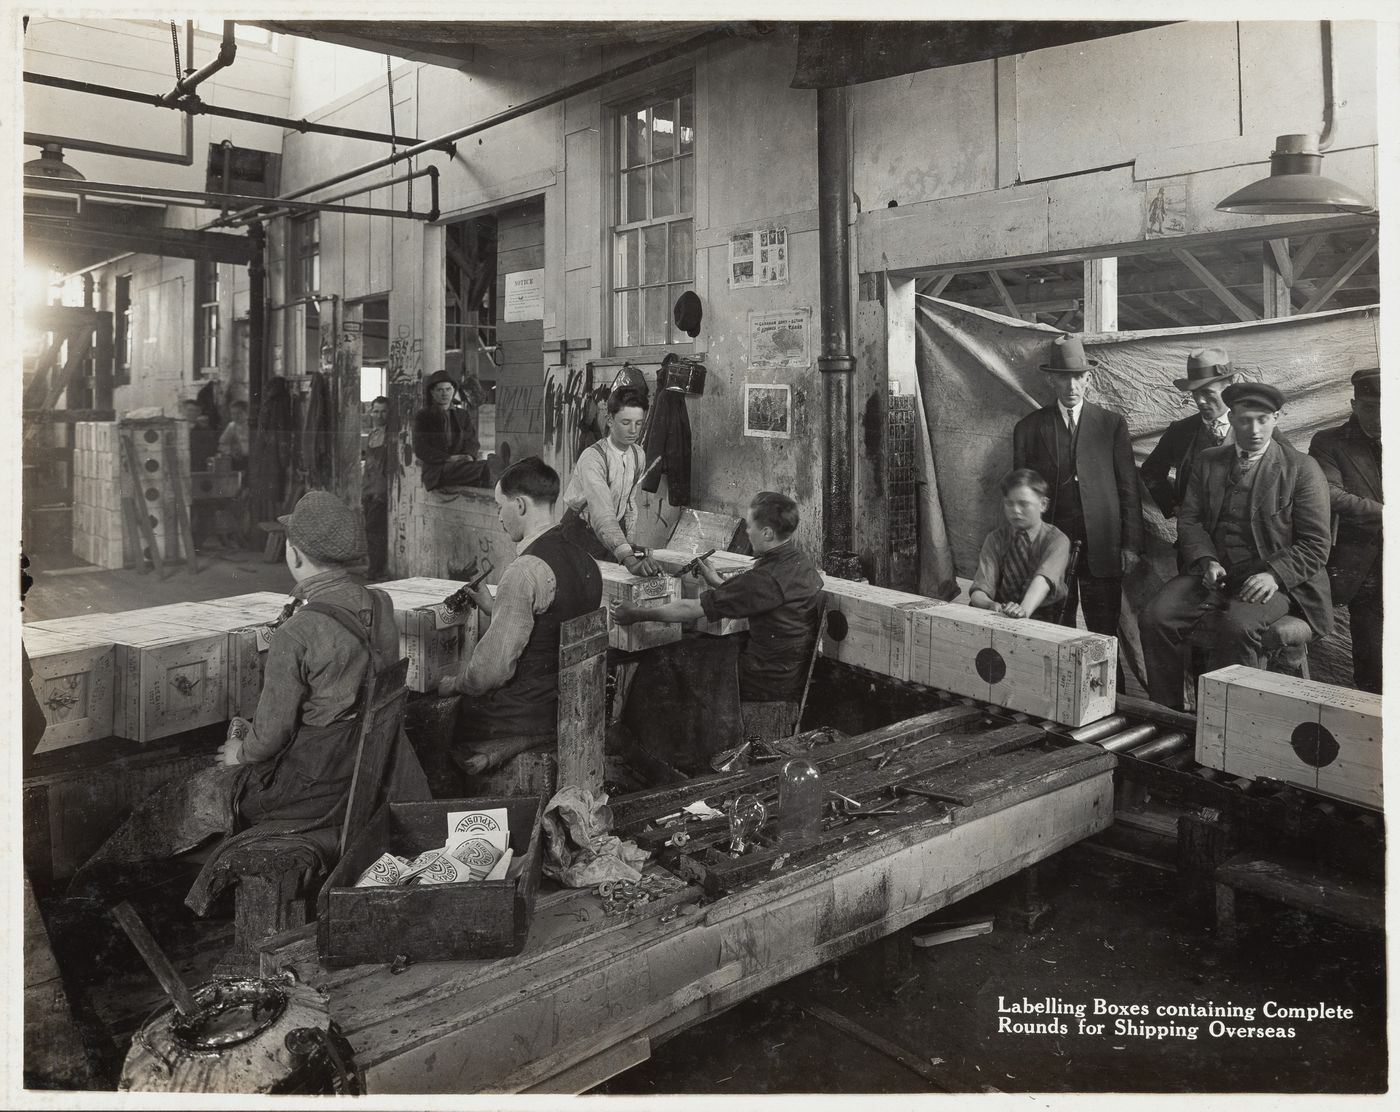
(206, 317)
(653, 217)
(306, 254)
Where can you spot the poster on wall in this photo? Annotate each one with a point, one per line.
(780, 338)
(758, 258)
(768, 410)
(1164, 213)
(524, 295)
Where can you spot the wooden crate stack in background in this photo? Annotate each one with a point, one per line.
(98, 530)
(154, 490)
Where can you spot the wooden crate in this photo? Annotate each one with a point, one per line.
(439, 922)
(1322, 737)
(169, 683)
(1065, 675)
(434, 652)
(75, 683)
(870, 627)
(620, 585)
(696, 531)
(692, 586)
(247, 661)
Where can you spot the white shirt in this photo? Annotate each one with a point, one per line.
(1068, 415)
(1220, 428)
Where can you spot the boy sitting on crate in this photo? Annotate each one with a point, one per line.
(1021, 572)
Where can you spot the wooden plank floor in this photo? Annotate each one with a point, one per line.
(589, 993)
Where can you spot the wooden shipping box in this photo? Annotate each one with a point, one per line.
(697, 530)
(169, 683)
(75, 682)
(692, 585)
(1066, 675)
(247, 661)
(620, 585)
(437, 922)
(871, 627)
(434, 651)
(428, 601)
(1254, 723)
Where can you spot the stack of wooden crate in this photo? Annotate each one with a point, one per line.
(98, 530)
(154, 489)
(437, 641)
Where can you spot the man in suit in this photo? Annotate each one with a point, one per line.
(1084, 452)
(1350, 457)
(1252, 537)
(1166, 470)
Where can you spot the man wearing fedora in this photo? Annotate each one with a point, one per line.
(1167, 469)
(1084, 452)
(1252, 539)
(1350, 457)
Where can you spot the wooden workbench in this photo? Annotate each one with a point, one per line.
(590, 993)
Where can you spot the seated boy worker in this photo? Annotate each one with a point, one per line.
(780, 596)
(294, 761)
(1023, 563)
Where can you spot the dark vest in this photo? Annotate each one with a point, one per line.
(1233, 536)
(1066, 511)
(529, 701)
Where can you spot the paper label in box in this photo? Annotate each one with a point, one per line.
(492, 824)
(476, 857)
(385, 872)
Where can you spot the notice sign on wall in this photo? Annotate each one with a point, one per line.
(781, 338)
(524, 295)
(758, 258)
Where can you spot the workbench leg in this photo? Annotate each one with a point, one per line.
(1226, 927)
(1202, 843)
(623, 676)
(263, 906)
(1028, 909)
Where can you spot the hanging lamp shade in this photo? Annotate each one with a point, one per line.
(1295, 185)
(50, 164)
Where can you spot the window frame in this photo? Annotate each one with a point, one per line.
(121, 330)
(613, 223)
(207, 331)
(301, 250)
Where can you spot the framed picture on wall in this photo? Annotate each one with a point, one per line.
(767, 410)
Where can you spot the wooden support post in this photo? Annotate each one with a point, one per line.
(1007, 123)
(1100, 295)
(1003, 293)
(939, 285)
(1277, 280)
(1358, 258)
(1215, 285)
(1306, 253)
(583, 667)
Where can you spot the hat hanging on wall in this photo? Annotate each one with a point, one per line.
(688, 313)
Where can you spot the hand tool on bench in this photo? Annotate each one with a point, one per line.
(929, 793)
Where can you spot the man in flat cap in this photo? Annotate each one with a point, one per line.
(1084, 452)
(1166, 470)
(1252, 540)
(295, 759)
(1350, 457)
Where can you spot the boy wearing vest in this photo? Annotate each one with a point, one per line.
(1023, 563)
(512, 679)
(600, 502)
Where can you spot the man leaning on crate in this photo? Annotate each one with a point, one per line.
(512, 677)
(293, 762)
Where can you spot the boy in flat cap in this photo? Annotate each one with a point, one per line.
(1252, 539)
(1083, 451)
(1350, 457)
(295, 759)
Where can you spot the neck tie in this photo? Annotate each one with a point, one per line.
(1016, 575)
(1073, 424)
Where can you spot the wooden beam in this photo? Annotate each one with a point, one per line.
(1063, 322)
(1311, 246)
(1133, 316)
(1199, 269)
(1007, 124)
(1338, 280)
(1100, 295)
(180, 243)
(1002, 293)
(1203, 306)
(940, 284)
(1277, 280)
(1160, 304)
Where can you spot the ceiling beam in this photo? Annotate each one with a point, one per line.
(1217, 287)
(180, 243)
(1002, 293)
(1338, 280)
(1311, 246)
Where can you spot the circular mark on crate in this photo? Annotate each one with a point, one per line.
(153, 465)
(155, 521)
(836, 625)
(1314, 744)
(151, 436)
(152, 495)
(990, 666)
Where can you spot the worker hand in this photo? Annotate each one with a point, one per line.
(709, 573)
(447, 686)
(474, 765)
(1213, 578)
(1259, 587)
(1130, 561)
(1011, 610)
(230, 753)
(481, 599)
(644, 566)
(625, 613)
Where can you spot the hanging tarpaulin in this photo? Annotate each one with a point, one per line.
(978, 376)
(831, 54)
